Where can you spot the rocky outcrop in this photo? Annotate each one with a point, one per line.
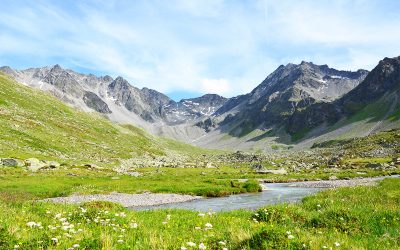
(383, 80)
(11, 162)
(96, 103)
(288, 90)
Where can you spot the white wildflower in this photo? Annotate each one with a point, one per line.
(120, 241)
(290, 237)
(32, 224)
(337, 244)
(208, 225)
(288, 232)
(183, 248)
(55, 240)
(164, 222)
(202, 246)
(223, 243)
(16, 246)
(75, 245)
(134, 225)
(202, 215)
(191, 244)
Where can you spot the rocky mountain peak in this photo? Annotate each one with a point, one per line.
(56, 69)
(119, 83)
(107, 78)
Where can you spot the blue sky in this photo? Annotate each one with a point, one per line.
(186, 48)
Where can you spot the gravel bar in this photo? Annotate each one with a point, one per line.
(372, 181)
(126, 200)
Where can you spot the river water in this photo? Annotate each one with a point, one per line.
(274, 193)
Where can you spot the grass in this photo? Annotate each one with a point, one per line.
(354, 218)
(383, 139)
(195, 181)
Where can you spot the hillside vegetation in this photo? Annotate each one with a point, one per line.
(36, 124)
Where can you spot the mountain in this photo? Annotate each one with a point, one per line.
(376, 97)
(117, 99)
(193, 109)
(34, 123)
(288, 89)
(297, 105)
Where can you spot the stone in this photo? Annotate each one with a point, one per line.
(34, 164)
(210, 165)
(281, 171)
(92, 166)
(10, 162)
(258, 167)
(53, 164)
(134, 174)
(333, 178)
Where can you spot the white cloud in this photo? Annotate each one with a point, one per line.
(215, 86)
(224, 47)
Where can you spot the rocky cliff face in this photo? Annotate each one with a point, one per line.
(288, 89)
(116, 97)
(295, 98)
(383, 80)
(188, 110)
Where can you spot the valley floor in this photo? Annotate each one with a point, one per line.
(345, 218)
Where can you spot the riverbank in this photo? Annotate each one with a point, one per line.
(369, 181)
(344, 218)
(126, 200)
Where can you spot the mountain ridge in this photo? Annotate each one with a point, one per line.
(294, 100)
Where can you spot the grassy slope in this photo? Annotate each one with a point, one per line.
(388, 139)
(35, 124)
(355, 218)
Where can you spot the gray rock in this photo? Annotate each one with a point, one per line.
(281, 171)
(134, 174)
(34, 164)
(258, 167)
(210, 165)
(11, 162)
(94, 102)
(52, 164)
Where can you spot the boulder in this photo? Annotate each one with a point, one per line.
(34, 164)
(134, 174)
(92, 166)
(210, 165)
(53, 164)
(281, 171)
(258, 167)
(10, 162)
